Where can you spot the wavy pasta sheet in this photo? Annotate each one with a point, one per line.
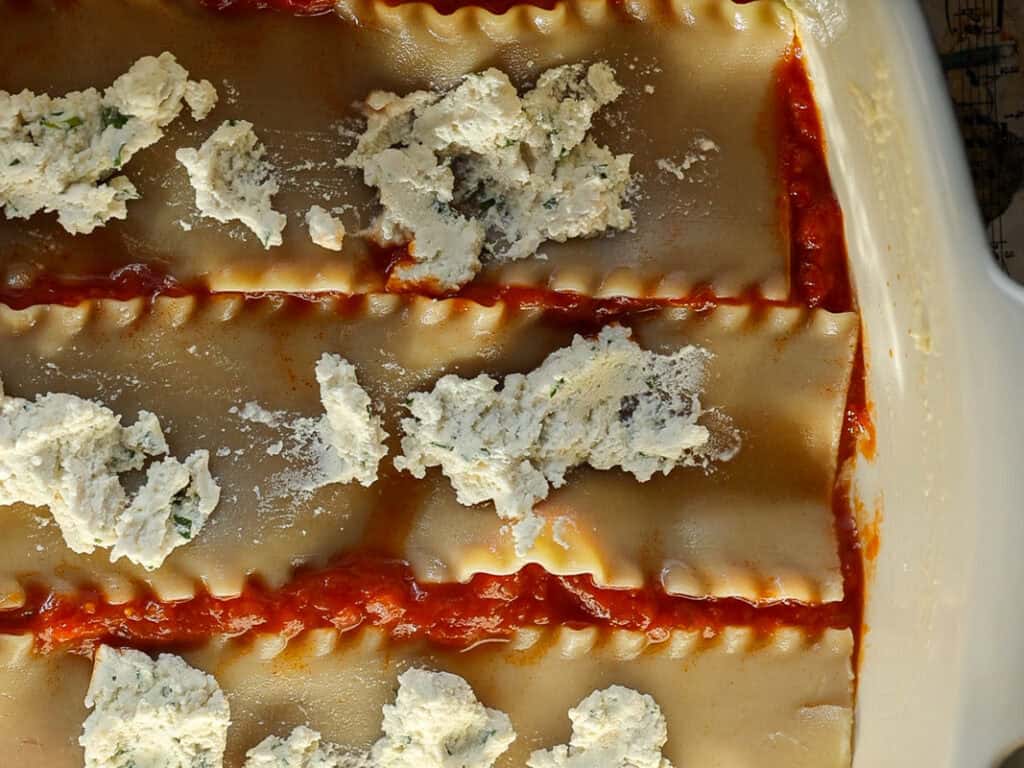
(231, 375)
(735, 700)
(759, 526)
(695, 71)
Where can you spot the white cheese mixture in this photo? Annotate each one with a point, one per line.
(168, 511)
(201, 98)
(601, 401)
(302, 749)
(343, 445)
(352, 435)
(152, 714)
(325, 230)
(233, 181)
(699, 152)
(613, 728)
(67, 453)
(437, 722)
(64, 154)
(482, 170)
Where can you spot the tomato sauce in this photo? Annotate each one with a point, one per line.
(818, 267)
(367, 589)
(130, 282)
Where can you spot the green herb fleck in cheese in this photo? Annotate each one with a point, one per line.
(437, 722)
(482, 171)
(602, 401)
(233, 181)
(613, 728)
(64, 154)
(302, 749)
(152, 713)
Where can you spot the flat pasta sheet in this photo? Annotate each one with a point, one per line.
(692, 69)
(758, 527)
(737, 700)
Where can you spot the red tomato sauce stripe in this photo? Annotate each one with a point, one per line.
(366, 590)
(819, 272)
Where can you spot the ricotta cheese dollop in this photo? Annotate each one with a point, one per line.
(437, 722)
(201, 98)
(613, 728)
(481, 170)
(601, 401)
(67, 453)
(168, 511)
(234, 182)
(324, 229)
(65, 154)
(351, 434)
(152, 713)
(302, 749)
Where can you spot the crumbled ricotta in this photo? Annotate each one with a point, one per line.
(351, 433)
(613, 728)
(437, 722)
(152, 714)
(346, 443)
(168, 511)
(602, 401)
(325, 230)
(698, 153)
(233, 181)
(201, 98)
(302, 749)
(65, 154)
(482, 170)
(67, 453)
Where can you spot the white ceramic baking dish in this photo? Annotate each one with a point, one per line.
(942, 668)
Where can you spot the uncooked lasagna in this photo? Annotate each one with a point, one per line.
(434, 386)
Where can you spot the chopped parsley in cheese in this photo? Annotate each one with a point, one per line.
(350, 433)
(437, 722)
(65, 154)
(302, 749)
(325, 230)
(602, 401)
(480, 171)
(233, 181)
(68, 453)
(168, 511)
(613, 728)
(152, 713)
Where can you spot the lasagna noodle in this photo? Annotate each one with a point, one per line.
(708, 64)
(758, 527)
(736, 700)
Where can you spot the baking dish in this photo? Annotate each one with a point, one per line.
(941, 664)
(934, 687)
